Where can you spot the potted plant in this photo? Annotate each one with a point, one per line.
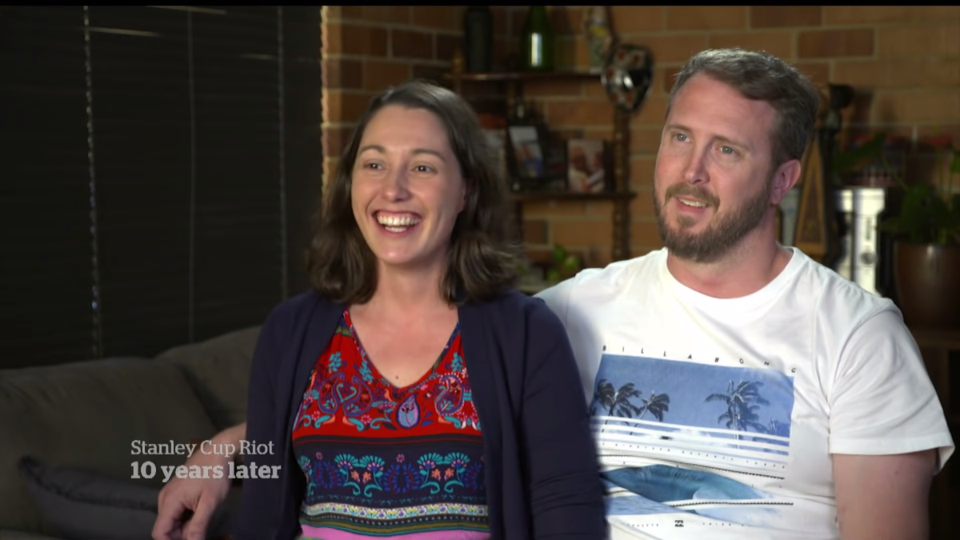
(547, 270)
(926, 233)
(565, 265)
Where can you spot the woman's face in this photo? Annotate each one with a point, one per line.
(407, 188)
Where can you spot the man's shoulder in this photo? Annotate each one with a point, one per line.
(653, 259)
(616, 274)
(835, 296)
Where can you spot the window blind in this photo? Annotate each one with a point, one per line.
(161, 166)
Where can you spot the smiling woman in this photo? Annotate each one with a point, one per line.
(406, 358)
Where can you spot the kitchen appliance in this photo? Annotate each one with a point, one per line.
(863, 256)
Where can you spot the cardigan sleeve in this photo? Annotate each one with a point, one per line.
(259, 497)
(559, 455)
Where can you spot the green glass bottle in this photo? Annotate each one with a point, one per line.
(537, 41)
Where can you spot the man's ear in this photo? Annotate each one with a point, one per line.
(784, 179)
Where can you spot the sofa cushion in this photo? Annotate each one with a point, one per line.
(80, 505)
(219, 371)
(87, 415)
(17, 535)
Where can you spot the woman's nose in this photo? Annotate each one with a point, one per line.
(394, 185)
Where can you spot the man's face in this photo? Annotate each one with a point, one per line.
(713, 175)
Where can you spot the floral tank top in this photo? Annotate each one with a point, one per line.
(385, 461)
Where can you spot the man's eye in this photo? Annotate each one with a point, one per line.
(728, 150)
(680, 137)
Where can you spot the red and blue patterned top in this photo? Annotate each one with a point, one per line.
(385, 461)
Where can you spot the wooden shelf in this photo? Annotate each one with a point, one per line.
(511, 85)
(506, 76)
(535, 196)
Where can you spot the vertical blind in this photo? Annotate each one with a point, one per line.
(160, 165)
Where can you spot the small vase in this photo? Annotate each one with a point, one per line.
(598, 35)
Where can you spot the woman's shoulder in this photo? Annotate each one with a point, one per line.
(298, 308)
(519, 309)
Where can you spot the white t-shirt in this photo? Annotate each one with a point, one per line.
(716, 418)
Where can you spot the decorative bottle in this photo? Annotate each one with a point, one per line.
(537, 41)
(478, 38)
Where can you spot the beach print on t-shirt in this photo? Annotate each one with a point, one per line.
(680, 436)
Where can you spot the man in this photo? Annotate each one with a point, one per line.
(739, 389)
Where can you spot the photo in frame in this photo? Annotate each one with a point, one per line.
(527, 151)
(588, 165)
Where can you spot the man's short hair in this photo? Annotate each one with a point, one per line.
(765, 77)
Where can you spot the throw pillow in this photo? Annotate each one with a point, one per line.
(82, 505)
(85, 506)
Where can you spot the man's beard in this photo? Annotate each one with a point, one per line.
(721, 234)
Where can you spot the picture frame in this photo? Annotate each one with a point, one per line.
(588, 166)
(497, 145)
(527, 151)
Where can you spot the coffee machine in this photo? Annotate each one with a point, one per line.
(862, 252)
(862, 203)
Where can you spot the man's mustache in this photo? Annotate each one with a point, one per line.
(694, 192)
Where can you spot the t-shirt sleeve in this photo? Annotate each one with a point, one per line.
(882, 401)
(557, 298)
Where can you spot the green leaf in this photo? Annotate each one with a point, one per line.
(856, 158)
(952, 221)
(913, 222)
(559, 254)
(927, 216)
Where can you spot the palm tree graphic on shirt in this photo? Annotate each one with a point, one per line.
(618, 401)
(743, 400)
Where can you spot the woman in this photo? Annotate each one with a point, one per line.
(412, 393)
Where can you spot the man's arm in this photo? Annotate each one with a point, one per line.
(888, 433)
(201, 496)
(880, 497)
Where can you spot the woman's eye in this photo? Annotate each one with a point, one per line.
(372, 166)
(424, 168)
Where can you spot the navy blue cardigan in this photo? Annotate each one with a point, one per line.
(541, 468)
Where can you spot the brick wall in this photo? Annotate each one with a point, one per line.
(904, 62)
(368, 48)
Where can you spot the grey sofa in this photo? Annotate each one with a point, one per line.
(67, 434)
